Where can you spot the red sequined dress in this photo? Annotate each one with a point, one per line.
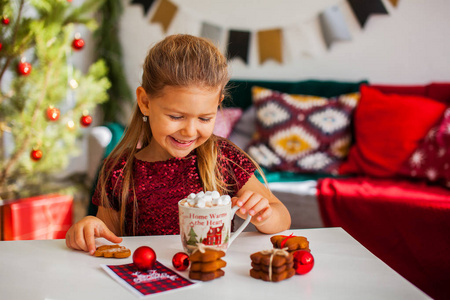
(160, 185)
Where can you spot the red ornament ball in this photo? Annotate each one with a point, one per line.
(144, 258)
(24, 68)
(85, 120)
(36, 154)
(53, 113)
(1, 46)
(5, 21)
(303, 262)
(77, 44)
(181, 261)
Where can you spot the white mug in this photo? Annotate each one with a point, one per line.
(210, 226)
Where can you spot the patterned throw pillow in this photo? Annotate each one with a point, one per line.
(300, 133)
(431, 160)
(225, 120)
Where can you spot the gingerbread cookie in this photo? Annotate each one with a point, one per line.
(206, 276)
(115, 251)
(206, 264)
(292, 242)
(272, 265)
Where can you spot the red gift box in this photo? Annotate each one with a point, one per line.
(37, 218)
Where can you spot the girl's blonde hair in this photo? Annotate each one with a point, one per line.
(178, 60)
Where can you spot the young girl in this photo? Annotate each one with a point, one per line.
(169, 151)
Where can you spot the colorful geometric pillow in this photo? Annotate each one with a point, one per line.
(388, 128)
(299, 133)
(226, 118)
(431, 160)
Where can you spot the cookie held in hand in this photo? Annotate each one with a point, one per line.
(115, 251)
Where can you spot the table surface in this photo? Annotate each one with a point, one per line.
(344, 269)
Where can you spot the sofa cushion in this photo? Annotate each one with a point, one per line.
(388, 128)
(300, 133)
(431, 160)
(226, 118)
(240, 91)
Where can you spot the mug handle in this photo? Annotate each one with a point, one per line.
(241, 228)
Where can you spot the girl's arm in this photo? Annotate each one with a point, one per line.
(81, 236)
(269, 215)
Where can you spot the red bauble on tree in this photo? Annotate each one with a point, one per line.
(144, 258)
(5, 20)
(85, 120)
(303, 262)
(77, 43)
(36, 154)
(53, 113)
(181, 261)
(24, 68)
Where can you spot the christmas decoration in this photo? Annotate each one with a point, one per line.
(303, 262)
(1, 45)
(36, 154)
(53, 113)
(85, 120)
(77, 43)
(109, 49)
(5, 20)
(144, 258)
(24, 68)
(180, 261)
(43, 31)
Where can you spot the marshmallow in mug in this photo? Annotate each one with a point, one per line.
(206, 199)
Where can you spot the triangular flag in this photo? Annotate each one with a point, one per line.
(211, 32)
(305, 39)
(164, 14)
(238, 45)
(333, 26)
(146, 4)
(394, 2)
(364, 8)
(269, 42)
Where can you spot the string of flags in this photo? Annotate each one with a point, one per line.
(332, 23)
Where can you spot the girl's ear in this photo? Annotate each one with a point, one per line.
(142, 100)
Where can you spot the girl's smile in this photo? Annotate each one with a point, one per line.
(180, 119)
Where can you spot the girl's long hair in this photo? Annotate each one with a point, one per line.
(181, 61)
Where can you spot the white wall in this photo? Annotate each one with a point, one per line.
(411, 45)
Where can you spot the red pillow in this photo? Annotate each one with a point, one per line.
(431, 160)
(439, 91)
(388, 128)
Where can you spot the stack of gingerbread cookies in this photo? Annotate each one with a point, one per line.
(272, 265)
(207, 264)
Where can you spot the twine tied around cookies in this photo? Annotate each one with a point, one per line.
(272, 253)
(202, 248)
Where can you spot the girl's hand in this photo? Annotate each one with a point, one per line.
(255, 205)
(81, 236)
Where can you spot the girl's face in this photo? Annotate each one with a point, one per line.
(181, 119)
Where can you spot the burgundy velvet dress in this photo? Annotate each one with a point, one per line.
(160, 185)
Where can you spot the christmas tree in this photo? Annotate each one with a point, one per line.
(45, 102)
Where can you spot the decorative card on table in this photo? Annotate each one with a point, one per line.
(155, 281)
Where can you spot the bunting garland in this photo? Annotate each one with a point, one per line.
(333, 28)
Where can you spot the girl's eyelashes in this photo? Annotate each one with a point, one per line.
(205, 120)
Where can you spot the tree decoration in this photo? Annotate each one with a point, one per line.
(181, 261)
(78, 42)
(53, 113)
(36, 154)
(5, 20)
(24, 67)
(144, 258)
(73, 84)
(303, 262)
(44, 31)
(1, 46)
(85, 120)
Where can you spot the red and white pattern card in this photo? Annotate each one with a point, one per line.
(158, 280)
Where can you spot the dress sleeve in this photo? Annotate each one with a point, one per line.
(114, 180)
(236, 167)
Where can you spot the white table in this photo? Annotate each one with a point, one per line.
(343, 270)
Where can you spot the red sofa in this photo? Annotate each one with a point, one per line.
(396, 198)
